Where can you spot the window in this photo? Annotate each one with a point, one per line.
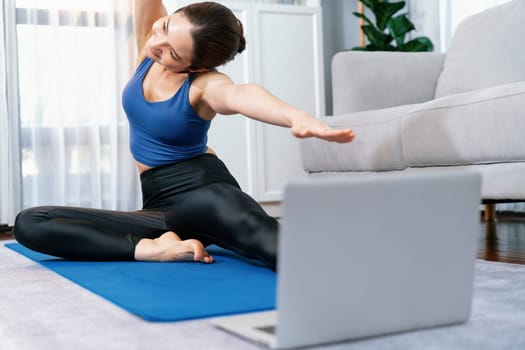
(453, 12)
(73, 60)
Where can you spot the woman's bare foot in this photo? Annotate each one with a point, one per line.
(169, 247)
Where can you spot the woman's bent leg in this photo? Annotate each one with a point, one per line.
(86, 234)
(221, 213)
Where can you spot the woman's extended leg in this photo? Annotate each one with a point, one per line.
(93, 234)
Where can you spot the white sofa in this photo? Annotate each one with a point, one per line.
(431, 111)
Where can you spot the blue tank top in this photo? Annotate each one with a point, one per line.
(163, 132)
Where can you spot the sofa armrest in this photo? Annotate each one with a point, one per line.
(373, 80)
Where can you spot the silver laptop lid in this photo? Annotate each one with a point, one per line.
(371, 255)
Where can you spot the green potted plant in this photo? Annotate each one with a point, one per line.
(389, 31)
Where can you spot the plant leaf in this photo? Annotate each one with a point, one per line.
(421, 43)
(399, 26)
(375, 36)
(369, 3)
(372, 47)
(383, 11)
(379, 38)
(363, 17)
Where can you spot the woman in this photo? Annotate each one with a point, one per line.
(190, 200)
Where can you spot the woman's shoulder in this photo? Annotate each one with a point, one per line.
(203, 92)
(211, 78)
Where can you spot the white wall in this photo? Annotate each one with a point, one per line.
(340, 32)
(425, 14)
(438, 19)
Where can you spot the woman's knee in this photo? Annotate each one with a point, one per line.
(248, 226)
(25, 229)
(263, 240)
(228, 217)
(253, 234)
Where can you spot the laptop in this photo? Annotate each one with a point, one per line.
(370, 255)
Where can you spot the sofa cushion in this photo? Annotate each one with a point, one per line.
(364, 81)
(476, 127)
(487, 49)
(377, 145)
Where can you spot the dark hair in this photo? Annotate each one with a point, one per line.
(217, 34)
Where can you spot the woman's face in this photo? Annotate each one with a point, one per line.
(171, 43)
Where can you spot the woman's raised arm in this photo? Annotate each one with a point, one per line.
(146, 12)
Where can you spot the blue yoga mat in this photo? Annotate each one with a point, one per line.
(163, 292)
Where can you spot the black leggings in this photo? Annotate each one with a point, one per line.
(196, 198)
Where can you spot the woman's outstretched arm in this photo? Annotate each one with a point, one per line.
(146, 12)
(255, 102)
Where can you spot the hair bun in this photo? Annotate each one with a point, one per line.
(242, 44)
(242, 39)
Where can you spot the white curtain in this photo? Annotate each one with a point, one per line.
(4, 145)
(73, 59)
(10, 192)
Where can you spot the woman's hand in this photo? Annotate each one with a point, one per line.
(305, 125)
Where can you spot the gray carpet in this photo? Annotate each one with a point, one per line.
(41, 310)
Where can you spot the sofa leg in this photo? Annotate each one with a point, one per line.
(490, 222)
(490, 212)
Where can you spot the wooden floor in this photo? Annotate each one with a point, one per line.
(502, 241)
